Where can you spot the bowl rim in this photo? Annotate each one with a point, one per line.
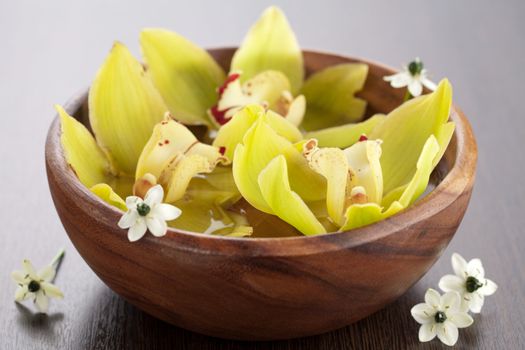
(458, 180)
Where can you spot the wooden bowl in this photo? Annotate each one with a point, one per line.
(269, 288)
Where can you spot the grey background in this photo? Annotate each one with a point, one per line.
(51, 49)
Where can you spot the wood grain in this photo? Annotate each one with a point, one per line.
(53, 48)
(275, 288)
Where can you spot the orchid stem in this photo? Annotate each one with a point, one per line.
(55, 263)
(408, 96)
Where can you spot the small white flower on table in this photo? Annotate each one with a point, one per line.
(440, 315)
(37, 285)
(469, 282)
(414, 76)
(148, 214)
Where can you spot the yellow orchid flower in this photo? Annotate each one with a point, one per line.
(185, 74)
(270, 45)
(123, 108)
(173, 155)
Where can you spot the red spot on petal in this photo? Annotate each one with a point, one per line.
(166, 142)
(363, 138)
(164, 122)
(160, 144)
(219, 116)
(222, 150)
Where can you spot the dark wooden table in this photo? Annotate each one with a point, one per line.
(50, 49)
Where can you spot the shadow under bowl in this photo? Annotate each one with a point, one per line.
(269, 288)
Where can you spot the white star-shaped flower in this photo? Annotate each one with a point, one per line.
(148, 214)
(440, 315)
(36, 285)
(469, 282)
(414, 76)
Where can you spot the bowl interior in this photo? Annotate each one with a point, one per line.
(381, 98)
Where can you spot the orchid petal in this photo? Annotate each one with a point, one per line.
(330, 96)
(285, 203)
(345, 135)
(406, 130)
(364, 162)
(296, 110)
(270, 45)
(185, 74)
(81, 151)
(123, 108)
(106, 193)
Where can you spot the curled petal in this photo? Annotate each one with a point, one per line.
(181, 174)
(82, 152)
(332, 164)
(330, 96)
(364, 163)
(285, 203)
(296, 110)
(345, 135)
(406, 130)
(106, 193)
(270, 45)
(185, 75)
(124, 106)
(137, 231)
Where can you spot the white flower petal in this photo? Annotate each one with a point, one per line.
(166, 212)
(429, 84)
(42, 302)
(459, 265)
(128, 219)
(154, 195)
(132, 201)
(447, 332)
(427, 332)
(489, 287)
(476, 302)
(156, 226)
(415, 88)
(399, 80)
(475, 269)
(19, 277)
(449, 283)
(29, 269)
(460, 319)
(450, 301)
(21, 293)
(423, 313)
(51, 290)
(47, 273)
(432, 298)
(137, 231)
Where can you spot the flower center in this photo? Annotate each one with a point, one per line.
(33, 286)
(473, 284)
(440, 317)
(143, 209)
(415, 67)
